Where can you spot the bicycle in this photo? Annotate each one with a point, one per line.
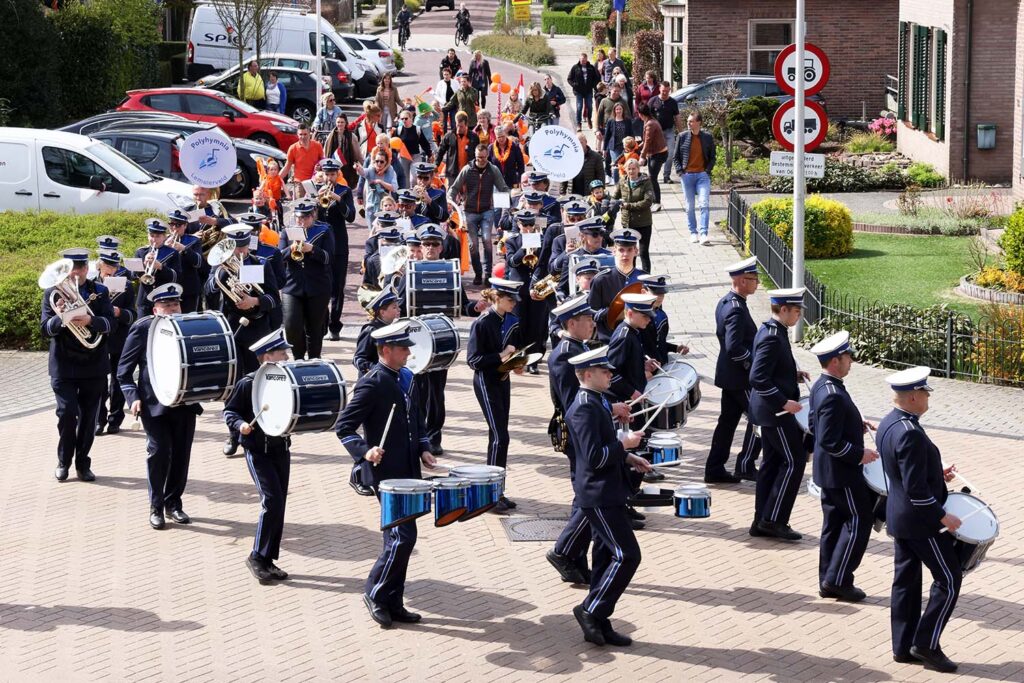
(403, 36)
(463, 30)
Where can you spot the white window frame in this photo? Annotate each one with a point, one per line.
(751, 23)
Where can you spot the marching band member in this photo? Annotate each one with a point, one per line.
(269, 461)
(432, 202)
(123, 306)
(531, 311)
(208, 225)
(915, 518)
(372, 273)
(773, 380)
(415, 245)
(575, 214)
(408, 208)
(601, 491)
(735, 329)
(847, 503)
(77, 373)
(493, 337)
(339, 211)
(396, 454)
(306, 290)
(655, 335)
(385, 220)
(564, 252)
(539, 182)
(585, 272)
(266, 253)
(169, 431)
(608, 284)
(160, 265)
(190, 256)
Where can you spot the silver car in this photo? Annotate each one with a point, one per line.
(374, 50)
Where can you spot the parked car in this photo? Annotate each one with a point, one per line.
(749, 85)
(235, 117)
(110, 118)
(374, 50)
(450, 4)
(248, 150)
(58, 171)
(300, 84)
(336, 73)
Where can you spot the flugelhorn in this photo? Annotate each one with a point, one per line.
(65, 297)
(148, 276)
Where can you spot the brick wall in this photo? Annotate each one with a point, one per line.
(1018, 94)
(859, 37)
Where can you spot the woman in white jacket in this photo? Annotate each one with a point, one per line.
(444, 91)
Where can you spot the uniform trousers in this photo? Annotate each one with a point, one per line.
(782, 469)
(386, 583)
(111, 392)
(575, 537)
(78, 403)
(304, 323)
(848, 516)
(430, 386)
(533, 323)
(909, 625)
(339, 273)
(495, 399)
(169, 445)
(734, 404)
(269, 471)
(616, 558)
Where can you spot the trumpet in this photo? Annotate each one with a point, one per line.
(148, 276)
(531, 258)
(296, 253)
(545, 287)
(65, 297)
(324, 197)
(223, 255)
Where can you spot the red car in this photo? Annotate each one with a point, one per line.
(234, 117)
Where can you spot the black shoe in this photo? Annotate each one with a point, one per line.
(360, 489)
(113, 429)
(156, 519)
(61, 473)
(783, 531)
(436, 450)
(99, 429)
(179, 516)
(500, 507)
(755, 530)
(591, 626)
(377, 613)
(477, 280)
(653, 475)
(843, 593)
(905, 658)
(722, 477)
(259, 570)
(401, 614)
(334, 336)
(632, 513)
(511, 504)
(612, 637)
(532, 369)
(746, 476)
(86, 475)
(934, 659)
(275, 571)
(583, 569)
(230, 446)
(569, 572)
(636, 524)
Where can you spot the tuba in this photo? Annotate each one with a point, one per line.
(65, 296)
(223, 255)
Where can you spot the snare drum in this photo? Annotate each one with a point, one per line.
(665, 451)
(875, 477)
(669, 390)
(450, 498)
(403, 500)
(436, 344)
(301, 396)
(663, 435)
(191, 358)
(692, 501)
(978, 531)
(687, 376)
(433, 287)
(486, 485)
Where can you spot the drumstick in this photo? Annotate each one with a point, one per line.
(645, 410)
(657, 365)
(637, 399)
(263, 408)
(651, 420)
(961, 478)
(387, 427)
(967, 516)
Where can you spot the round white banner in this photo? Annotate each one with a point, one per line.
(556, 151)
(208, 158)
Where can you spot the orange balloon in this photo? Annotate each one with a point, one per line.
(496, 78)
(494, 86)
(506, 88)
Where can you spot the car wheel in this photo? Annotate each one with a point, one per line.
(302, 112)
(235, 190)
(264, 139)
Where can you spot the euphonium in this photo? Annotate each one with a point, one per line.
(545, 287)
(65, 297)
(223, 255)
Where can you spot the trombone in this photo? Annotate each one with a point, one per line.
(66, 297)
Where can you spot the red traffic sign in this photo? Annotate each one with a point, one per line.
(815, 69)
(815, 125)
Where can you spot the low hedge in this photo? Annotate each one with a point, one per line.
(566, 24)
(1012, 242)
(843, 177)
(530, 50)
(31, 240)
(828, 224)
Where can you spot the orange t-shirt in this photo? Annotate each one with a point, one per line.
(463, 155)
(273, 187)
(696, 161)
(304, 161)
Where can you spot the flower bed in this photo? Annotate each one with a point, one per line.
(971, 290)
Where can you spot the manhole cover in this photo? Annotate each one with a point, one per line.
(533, 528)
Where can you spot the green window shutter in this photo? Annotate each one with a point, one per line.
(915, 93)
(901, 74)
(926, 99)
(940, 84)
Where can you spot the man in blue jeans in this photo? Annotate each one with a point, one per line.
(693, 163)
(473, 189)
(583, 78)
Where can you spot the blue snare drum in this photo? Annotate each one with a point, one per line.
(486, 485)
(301, 396)
(191, 358)
(403, 500)
(665, 450)
(450, 499)
(692, 501)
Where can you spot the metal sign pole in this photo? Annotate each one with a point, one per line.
(319, 60)
(799, 189)
(390, 22)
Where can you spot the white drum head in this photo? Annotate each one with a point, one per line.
(422, 350)
(683, 372)
(979, 527)
(804, 416)
(164, 360)
(874, 474)
(272, 387)
(665, 387)
(477, 473)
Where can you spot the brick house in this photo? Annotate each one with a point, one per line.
(712, 37)
(956, 70)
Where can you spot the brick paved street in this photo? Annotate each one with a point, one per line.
(92, 593)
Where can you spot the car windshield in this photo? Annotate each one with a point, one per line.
(236, 103)
(374, 44)
(119, 163)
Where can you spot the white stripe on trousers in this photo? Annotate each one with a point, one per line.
(263, 508)
(948, 607)
(492, 455)
(387, 564)
(584, 523)
(616, 563)
(853, 537)
(789, 473)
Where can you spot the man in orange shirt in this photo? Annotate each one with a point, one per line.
(694, 159)
(303, 156)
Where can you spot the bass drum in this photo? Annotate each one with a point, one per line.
(300, 396)
(191, 357)
(433, 287)
(436, 344)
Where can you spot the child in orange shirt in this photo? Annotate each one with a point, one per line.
(630, 150)
(272, 187)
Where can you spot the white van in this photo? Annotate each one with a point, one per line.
(58, 171)
(211, 47)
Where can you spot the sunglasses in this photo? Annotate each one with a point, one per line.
(380, 161)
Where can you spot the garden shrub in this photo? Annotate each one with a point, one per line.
(751, 120)
(647, 47)
(925, 175)
(1012, 242)
(599, 32)
(843, 177)
(566, 24)
(531, 50)
(862, 143)
(828, 224)
(998, 351)
(380, 20)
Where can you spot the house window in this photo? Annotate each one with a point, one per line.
(922, 78)
(677, 30)
(766, 39)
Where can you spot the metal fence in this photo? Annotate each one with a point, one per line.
(897, 335)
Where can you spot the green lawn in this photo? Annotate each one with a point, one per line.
(921, 271)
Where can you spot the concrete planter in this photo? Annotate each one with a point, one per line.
(973, 291)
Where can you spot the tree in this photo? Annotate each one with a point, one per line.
(714, 110)
(751, 121)
(237, 19)
(264, 16)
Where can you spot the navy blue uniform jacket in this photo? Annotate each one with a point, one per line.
(601, 473)
(238, 410)
(134, 355)
(488, 337)
(772, 374)
(626, 353)
(735, 330)
(913, 466)
(69, 359)
(838, 430)
(311, 276)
